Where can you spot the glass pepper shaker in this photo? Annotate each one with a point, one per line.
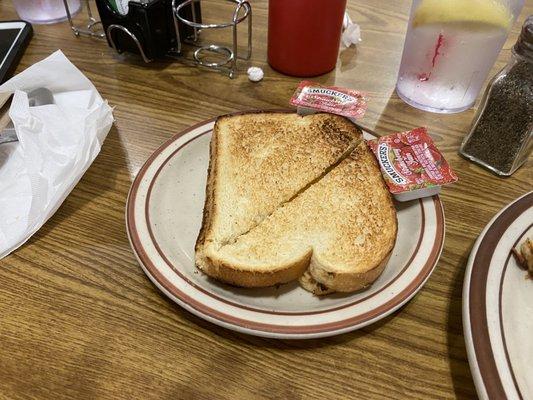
(500, 136)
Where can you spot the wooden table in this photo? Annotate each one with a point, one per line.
(80, 320)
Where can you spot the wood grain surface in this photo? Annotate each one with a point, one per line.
(80, 320)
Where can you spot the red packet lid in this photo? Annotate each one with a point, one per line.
(336, 100)
(411, 161)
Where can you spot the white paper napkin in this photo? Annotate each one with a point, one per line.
(351, 32)
(57, 143)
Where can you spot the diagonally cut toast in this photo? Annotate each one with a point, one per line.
(341, 230)
(258, 162)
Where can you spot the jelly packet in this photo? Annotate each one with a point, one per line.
(311, 97)
(411, 164)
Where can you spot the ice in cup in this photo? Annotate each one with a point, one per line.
(45, 11)
(449, 50)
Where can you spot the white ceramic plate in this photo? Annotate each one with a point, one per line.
(164, 214)
(498, 307)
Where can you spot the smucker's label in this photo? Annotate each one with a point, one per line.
(338, 96)
(411, 161)
(336, 100)
(388, 166)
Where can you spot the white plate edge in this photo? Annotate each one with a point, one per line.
(193, 133)
(467, 329)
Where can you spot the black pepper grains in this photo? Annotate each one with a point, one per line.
(500, 138)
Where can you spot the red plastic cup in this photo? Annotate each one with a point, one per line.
(304, 35)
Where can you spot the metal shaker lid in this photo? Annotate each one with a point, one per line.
(524, 44)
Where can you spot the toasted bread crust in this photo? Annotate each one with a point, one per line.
(311, 285)
(201, 261)
(238, 276)
(324, 281)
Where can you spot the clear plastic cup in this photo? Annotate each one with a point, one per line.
(449, 50)
(45, 11)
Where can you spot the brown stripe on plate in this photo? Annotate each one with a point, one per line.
(500, 295)
(477, 296)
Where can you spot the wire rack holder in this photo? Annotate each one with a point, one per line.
(242, 12)
(93, 28)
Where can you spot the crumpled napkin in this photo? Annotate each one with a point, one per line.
(351, 33)
(57, 143)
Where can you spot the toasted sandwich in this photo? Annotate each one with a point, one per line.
(293, 197)
(259, 161)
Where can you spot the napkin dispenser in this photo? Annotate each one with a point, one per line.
(147, 29)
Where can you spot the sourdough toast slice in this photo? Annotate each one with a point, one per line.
(259, 161)
(341, 230)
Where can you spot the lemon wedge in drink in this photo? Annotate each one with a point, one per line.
(471, 13)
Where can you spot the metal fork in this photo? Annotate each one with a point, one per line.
(37, 97)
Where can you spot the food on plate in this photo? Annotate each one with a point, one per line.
(524, 256)
(259, 161)
(288, 194)
(341, 229)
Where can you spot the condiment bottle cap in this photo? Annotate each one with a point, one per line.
(524, 44)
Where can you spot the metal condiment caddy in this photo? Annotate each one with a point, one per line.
(162, 29)
(229, 63)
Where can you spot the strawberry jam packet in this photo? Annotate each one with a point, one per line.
(411, 164)
(312, 97)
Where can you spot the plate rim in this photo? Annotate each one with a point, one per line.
(478, 345)
(184, 300)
